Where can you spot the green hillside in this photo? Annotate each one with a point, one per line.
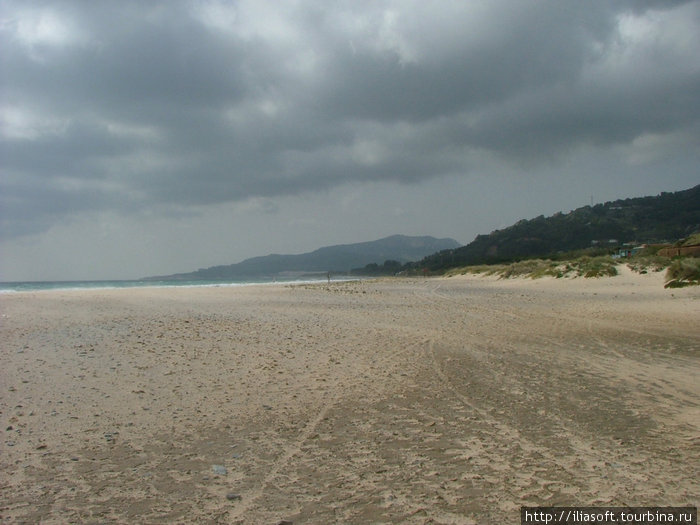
(664, 218)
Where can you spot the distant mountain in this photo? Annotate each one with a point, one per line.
(337, 259)
(664, 218)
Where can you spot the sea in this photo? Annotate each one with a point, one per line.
(36, 286)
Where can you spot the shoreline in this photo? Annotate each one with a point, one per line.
(49, 286)
(401, 400)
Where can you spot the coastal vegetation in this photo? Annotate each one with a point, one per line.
(680, 271)
(536, 268)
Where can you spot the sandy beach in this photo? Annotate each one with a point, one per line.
(441, 400)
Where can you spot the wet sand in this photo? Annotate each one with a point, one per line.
(447, 400)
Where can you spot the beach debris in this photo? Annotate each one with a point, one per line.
(285, 522)
(232, 496)
(219, 470)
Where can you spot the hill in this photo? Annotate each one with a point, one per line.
(663, 218)
(338, 259)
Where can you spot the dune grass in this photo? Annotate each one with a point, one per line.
(683, 272)
(537, 268)
(679, 272)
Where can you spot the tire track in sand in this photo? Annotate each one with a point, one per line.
(583, 448)
(249, 498)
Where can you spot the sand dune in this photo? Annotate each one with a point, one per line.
(397, 401)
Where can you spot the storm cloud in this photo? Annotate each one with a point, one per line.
(173, 106)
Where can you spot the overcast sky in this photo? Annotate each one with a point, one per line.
(147, 137)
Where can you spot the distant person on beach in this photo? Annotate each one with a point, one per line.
(329, 277)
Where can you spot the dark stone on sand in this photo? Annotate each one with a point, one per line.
(233, 497)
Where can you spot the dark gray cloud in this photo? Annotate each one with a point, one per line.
(133, 106)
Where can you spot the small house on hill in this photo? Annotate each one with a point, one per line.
(627, 251)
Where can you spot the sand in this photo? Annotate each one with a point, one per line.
(441, 400)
